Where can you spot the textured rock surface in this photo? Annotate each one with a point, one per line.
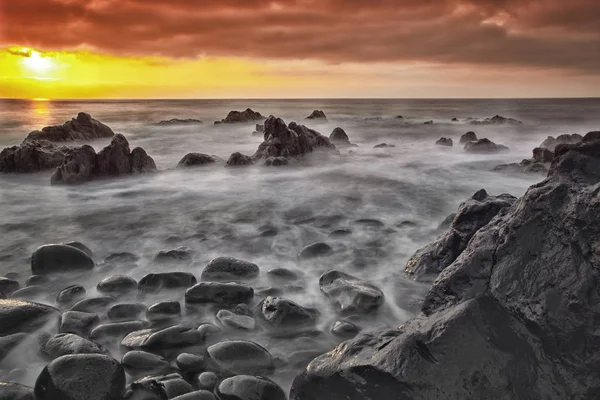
(317, 114)
(248, 115)
(31, 156)
(515, 316)
(238, 159)
(472, 215)
(246, 387)
(551, 142)
(24, 316)
(349, 294)
(496, 120)
(340, 138)
(84, 127)
(484, 146)
(444, 142)
(195, 159)
(228, 269)
(468, 137)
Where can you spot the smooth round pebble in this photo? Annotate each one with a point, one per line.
(246, 387)
(143, 360)
(207, 380)
(198, 395)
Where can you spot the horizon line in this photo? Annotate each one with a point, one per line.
(295, 98)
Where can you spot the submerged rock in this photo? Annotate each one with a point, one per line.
(349, 294)
(317, 114)
(383, 145)
(238, 159)
(246, 387)
(78, 322)
(228, 269)
(219, 293)
(8, 286)
(340, 138)
(69, 343)
(126, 312)
(142, 360)
(31, 156)
(496, 120)
(280, 312)
(468, 137)
(472, 215)
(84, 127)
(444, 142)
(24, 316)
(53, 258)
(248, 115)
(240, 357)
(82, 164)
(15, 391)
(117, 284)
(231, 320)
(179, 121)
(551, 142)
(195, 159)
(289, 141)
(153, 283)
(484, 146)
(313, 250)
(70, 295)
(515, 316)
(157, 388)
(81, 377)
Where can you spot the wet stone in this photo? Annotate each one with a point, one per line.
(164, 311)
(318, 249)
(121, 258)
(35, 292)
(240, 356)
(282, 274)
(79, 323)
(117, 284)
(181, 254)
(70, 295)
(197, 395)
(126, 312)
(96, 305)
(234, 321)
(246, 387)
(142, 360)
(219, 293)
(190, 363)
(8, 286)
(69, 343)
(157, 388)
(35, 280)
(115, 331)
(54, 258)
(153, 283)
(228, 269)
(344, 329)
(207, 380)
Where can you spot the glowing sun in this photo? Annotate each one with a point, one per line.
(37, 63)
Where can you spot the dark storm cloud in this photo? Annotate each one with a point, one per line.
(537, 33)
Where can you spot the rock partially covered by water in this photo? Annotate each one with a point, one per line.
(444, 142)
(515, 316)
(24, 316)
(280, 312)
(317, 114)
(383, 146)
(290, 141)
(53, 258)
(179, 121)
(468, 137)
(240, 357)
(248, 115)
(15, 391)
(69, 343)
(158, 388)
(472, 215)
(246, 387)
(219, 293)
(84, 127)
(349, 294)
(195, 159)
(238, 159)
(484, 146)
(496, 120)
(8, 286)
(81, 377)
(31, 156)
(551, 142)
(340, 138)
(229, 269)
(83, 164)
(542, 155)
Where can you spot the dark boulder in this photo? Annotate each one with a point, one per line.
(317, 114)
(349, 294)
(96, 305)
(484, 146)
(344, 329)
(260, 128)
(181, 254)
(247, 387)
(141, 162)
(82, 247)
(31, 157)
(454, 119)
(515, 316)
(117, 284)
(340, 138)
(172, 337)
(81, 377)
(383, 146)
(8, 286)
(78, 322)
(468, 137)
(238, 159)
(157, 388)
(69, 343)
(164, 310)
(551, 142)
(113, 332)
(179, 121)
(542, 155)
(430, 122)
(228, 269)
(24, 316)
(142, 360)
(126, 312)
(472, 215)
(195, 159)
(240, 357)
(248, 115)
(283, 313)
(53, 258)
(289, 141)
(84, 127)
(153, 283)
(37, 280)
(78, 166)
(444, 142)
(70, 295)
(219, 293)
(313, 250)
(496, 120)
(15, 391)
(114, 160)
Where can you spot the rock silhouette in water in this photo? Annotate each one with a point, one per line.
(317, 114)
(551, 142)
(238, 159)
(496, 120)
(248, 115)
(82, 164)
(32, 156)
(195, 159)
(514, 316)
(468, 137)
(340, 138)
(177, 121)
(84, 127)
(484, 146)
(444, 142)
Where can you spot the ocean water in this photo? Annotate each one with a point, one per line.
(217, 211)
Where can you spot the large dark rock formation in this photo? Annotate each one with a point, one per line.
(472, 215)
(31, 156)
(340, 138)
(317, 114)
(82, 164)
(515, 316)
(195, 160)
(496, 120)
(24, 316)
(444, 142)
(288, 141)
(468, 137)
(84, 127)
(551, 142)
(484, 146)
(248, 115)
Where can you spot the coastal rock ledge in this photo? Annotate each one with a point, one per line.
(515, 316)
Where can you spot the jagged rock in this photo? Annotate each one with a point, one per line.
(349, 294)
(179, 121)
(542, 155)
(317, 114)
(24, 316)
(524, 167)
(444, 142)
(276, 161)
(31, 157)
(238, 159)
(515, 316)
(246, 387)
(242, 116)
(228, 269)
(83, 164)
(280, 312)
(472, 215)
(468, 137)
(496, 120)
(340, 138)
(81, 377)
(551, 142)
(195, 159)
(484, 146)
(240, 357)
(289, 141)
(84, 127)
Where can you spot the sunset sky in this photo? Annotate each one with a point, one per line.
(301, 48)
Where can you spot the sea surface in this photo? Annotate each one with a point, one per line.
(218, 211)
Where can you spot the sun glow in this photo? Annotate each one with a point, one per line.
(37, 63)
